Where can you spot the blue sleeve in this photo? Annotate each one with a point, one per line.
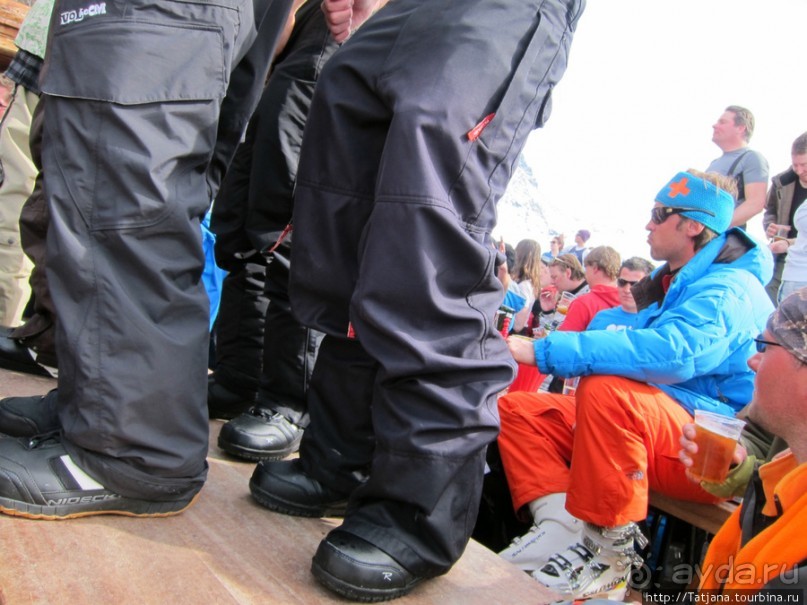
(212, 275)
(694, 338)
(513, 298)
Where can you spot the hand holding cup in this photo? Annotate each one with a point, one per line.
(709, 445)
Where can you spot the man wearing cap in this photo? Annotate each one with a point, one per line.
(755, 550)
(583, 466)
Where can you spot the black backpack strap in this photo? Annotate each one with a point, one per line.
(737, 161)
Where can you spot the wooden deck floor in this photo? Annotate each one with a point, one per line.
(225, 549)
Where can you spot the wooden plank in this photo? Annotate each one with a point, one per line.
(225, 549)
(17, 383)
(12, 15)
(708, 517)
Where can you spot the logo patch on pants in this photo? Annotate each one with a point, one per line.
(78, 15)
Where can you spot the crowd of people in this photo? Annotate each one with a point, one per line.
(375, 356)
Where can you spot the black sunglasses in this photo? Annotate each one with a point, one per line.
(661, 213)
(624, 282)
(763, 344)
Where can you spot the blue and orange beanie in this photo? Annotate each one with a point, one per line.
(686, 190)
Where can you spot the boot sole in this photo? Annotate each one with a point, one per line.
(54, 513)
(256, 455)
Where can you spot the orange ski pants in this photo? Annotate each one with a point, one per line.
(605, 448)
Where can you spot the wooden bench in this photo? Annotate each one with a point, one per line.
(224, 550)
(12, 14)
(708, 517)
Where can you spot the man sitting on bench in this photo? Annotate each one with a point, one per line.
(583, 466)
(761, 548)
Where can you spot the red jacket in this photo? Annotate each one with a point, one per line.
(586, 306)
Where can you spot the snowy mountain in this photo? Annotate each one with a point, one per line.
(525, 211)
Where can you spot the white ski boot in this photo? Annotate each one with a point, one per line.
(598, 566)
(552, 526)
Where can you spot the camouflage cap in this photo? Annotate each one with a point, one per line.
(788, 324)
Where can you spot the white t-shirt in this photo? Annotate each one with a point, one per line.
(796, 261)
(525, 288)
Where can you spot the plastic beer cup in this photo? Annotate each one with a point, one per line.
(716, 437)
(563, 304)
